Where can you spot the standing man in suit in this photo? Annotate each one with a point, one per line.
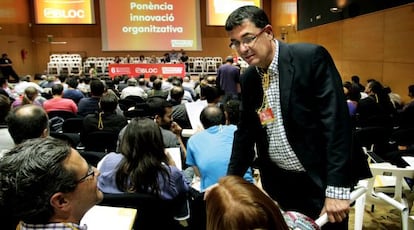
(294, 111)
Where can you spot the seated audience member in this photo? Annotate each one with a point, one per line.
(210, 93)
(237, 204)
(209, 151)
(167, 85)
(133, 89)
(106, 120)
(355, 80)
(142, 166)
(161, 110)
(6, 141)
(27, 122)
(142, 59)
(376, 109)
(152, 78)
(394, 97)
(117, 60)
(157, 90)
(6, 90)
(353, 95)
(407, 113)
(24, 83)
(142, 83)
(51, 81)
(45, 184)
(153, 60)
(187, 82)
(30, 96)
(89, 105)
(189, 94)
(84, 85)
(232, 112)
(73, 92)
(166, 58)
(179, 112)
(58, 103)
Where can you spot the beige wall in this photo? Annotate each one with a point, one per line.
(377, 45)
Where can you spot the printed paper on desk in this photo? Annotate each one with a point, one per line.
(409, 160)
(109, 218)
(193, 110)
(175, 154)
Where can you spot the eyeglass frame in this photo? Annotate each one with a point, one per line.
(246, 40)
(91, 172)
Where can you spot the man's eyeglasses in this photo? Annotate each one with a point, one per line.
(246, 41)
(91, 172)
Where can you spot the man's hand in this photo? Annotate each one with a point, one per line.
(336, 209)
(175, 128)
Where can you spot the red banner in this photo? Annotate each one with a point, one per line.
(134, 70)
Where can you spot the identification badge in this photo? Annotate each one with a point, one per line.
(266, 116)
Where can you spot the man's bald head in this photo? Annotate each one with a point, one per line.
(211, 116)
(27, 122)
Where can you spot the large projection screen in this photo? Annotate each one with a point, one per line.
(219, 10)
(152, 25)
(64, 12)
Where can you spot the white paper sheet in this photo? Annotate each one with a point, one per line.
(109, 218)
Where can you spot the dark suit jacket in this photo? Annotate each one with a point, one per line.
(315, 117)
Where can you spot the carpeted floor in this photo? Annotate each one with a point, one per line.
(383, 217)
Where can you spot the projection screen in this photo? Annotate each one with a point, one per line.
(152, 25)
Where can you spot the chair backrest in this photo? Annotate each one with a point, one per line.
(72, 125)
(137, 99)
(404, 137)
(153, 213)
(72, 139)
(60, 113)
(101, 141)
(92, 157)
(371, 139)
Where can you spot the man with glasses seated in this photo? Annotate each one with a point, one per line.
(46, 184)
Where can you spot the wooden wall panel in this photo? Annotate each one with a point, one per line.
(364, 69)
(399, 35)
(364, 37)
(330, 36)
(399, 76)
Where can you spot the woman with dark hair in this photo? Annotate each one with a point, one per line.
(376, 109)
(142, 165)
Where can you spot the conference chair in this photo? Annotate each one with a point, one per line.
(60, 113)
(371, 139)
(72, 125)
(92, 157)
(389, 186)
(72, 139)
(152, 212)
(101, 141)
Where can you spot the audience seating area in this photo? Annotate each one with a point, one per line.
(74, 64)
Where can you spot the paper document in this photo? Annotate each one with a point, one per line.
(175, 154)
(193, 110)
(409, 160)
(109, 218)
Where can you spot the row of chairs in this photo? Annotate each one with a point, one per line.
(73, 64)
(71, 127)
